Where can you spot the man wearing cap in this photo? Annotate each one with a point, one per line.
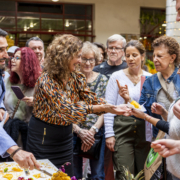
(7, 145)
(11, 51)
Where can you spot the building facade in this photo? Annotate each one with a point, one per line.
(91, 20)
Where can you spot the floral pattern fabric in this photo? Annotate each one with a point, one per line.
(56, 104)
(91, 119)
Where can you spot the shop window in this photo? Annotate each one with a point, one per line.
(7, 5)
(151, 27)
(7, 20)
(75, 9)
(45, 20)
(28, 22)
(51, 23)
(42, 8)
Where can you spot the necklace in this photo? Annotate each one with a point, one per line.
(134, 79)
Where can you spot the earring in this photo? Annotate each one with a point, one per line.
(169, 65)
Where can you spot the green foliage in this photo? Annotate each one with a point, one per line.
(150, 63)
(128, 176)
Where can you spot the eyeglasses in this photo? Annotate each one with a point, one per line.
(91, 61)
(116, 49)
(15, 58)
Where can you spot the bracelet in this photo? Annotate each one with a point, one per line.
(91, 108)
(145, 118)
(13, 153)
(149, 118)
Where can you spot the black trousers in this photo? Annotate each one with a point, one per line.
(51, 142)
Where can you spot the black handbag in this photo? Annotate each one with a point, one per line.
(93, 152)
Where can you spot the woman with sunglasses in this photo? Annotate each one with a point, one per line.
(24, 71)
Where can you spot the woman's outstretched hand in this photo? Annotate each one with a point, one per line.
(123, 92)
(137, 113)
(157, 109)
(122, 109)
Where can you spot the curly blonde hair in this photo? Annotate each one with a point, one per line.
(59, 54)
(171, 44)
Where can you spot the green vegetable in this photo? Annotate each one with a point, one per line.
(6, 169)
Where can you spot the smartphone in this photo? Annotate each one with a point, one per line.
(18, 92)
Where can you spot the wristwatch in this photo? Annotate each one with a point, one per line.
(95, 128)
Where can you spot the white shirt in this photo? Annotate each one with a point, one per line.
(112, 96)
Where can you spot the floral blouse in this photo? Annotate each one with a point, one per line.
(91, 119)
(56, 104)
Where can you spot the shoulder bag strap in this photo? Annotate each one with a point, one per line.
(17, 105)
(95, 87)
(161, 80)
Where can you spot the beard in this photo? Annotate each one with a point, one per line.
(2, 66)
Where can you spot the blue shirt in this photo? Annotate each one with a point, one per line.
(5, 140)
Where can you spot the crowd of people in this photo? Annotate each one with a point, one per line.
(81, 91)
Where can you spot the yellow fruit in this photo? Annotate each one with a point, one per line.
(17, 169)
(135, 104)
(8, 176)
(60, 176)
(37, 175)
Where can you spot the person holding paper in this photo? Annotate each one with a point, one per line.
(130, 147)
(24, 71)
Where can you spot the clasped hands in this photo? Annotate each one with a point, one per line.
(87, 137)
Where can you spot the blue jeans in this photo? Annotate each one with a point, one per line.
(97, 166)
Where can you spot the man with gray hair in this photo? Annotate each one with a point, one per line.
(115, 51)
(37, 45)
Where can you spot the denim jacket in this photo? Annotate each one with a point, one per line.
(150, 90)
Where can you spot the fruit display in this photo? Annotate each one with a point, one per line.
(12, 171)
